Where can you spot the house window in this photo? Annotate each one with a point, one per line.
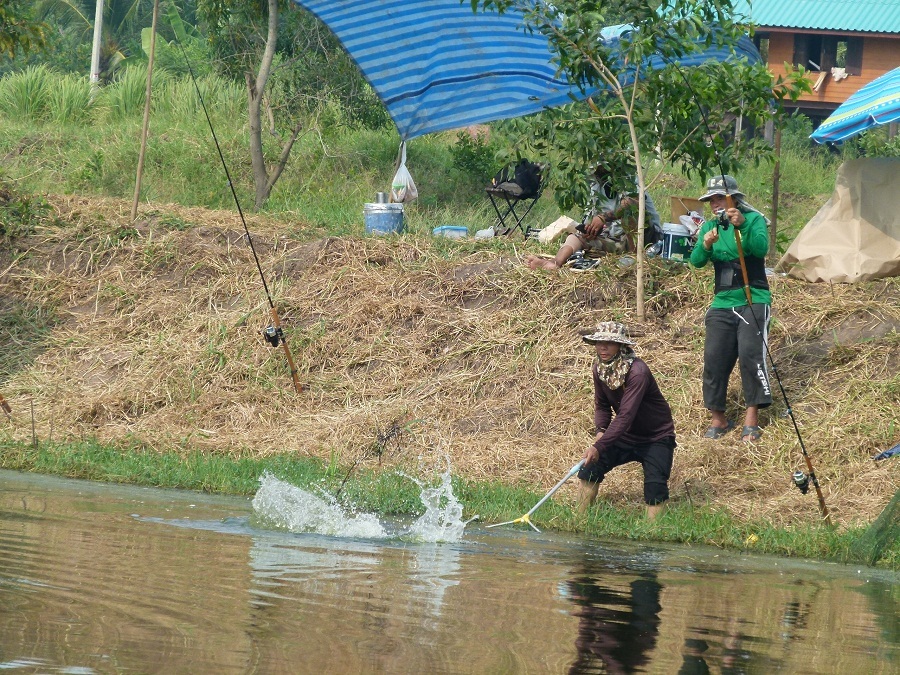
(761, 40)
(824, 52)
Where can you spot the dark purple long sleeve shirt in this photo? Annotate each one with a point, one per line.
(642, 414)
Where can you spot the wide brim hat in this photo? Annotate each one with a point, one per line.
(723, 185)
(608, 331)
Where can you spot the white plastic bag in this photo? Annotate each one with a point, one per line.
(692, 222)
(403, 189)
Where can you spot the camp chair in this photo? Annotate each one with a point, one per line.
(513, 192)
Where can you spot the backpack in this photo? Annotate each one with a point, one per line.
(523, 181)
(528, 177)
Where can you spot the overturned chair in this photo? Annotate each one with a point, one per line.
(513, 192)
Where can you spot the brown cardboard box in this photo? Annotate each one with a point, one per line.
(681, 206)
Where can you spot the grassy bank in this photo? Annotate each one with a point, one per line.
(146, 336)
(390, 493)
(55, 139)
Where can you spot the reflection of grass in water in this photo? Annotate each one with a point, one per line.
(884, 599)
(23, 328)
(391, 493)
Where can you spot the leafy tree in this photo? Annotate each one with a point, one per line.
(122, 23)
(640, 118)
(272, 43)
(18, 29)
(187, 52)
(246, 32)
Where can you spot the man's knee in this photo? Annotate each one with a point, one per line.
(656, 493)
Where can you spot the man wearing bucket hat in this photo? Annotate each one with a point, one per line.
(736, 332)
(632, 418)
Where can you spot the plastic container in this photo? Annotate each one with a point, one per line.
(383, 218)
(451, 231)
(676, 242)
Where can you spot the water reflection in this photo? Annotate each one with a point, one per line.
(694, 662)
(617, 626)
(99, 578)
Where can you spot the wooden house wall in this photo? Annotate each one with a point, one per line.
(880, 54)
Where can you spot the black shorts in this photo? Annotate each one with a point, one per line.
(655, 458)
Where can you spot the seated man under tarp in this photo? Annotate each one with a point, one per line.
(607, 226)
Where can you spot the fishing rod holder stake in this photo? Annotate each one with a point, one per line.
(274, 335)
(801, 481)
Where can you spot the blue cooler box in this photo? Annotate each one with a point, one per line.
(451, 231)
(677, 244)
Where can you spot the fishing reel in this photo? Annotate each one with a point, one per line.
(722, 219)
(801, 481)
(273, 335)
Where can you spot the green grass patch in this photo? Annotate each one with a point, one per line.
(389, 493)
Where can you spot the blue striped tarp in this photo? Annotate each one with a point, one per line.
(878, 102)
(437, 65)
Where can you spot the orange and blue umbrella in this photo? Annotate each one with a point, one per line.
(876, 103)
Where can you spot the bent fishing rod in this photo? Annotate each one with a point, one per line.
(800, 480)
(273, 333)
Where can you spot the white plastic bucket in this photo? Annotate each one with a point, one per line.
(383, 218)
(677, 229)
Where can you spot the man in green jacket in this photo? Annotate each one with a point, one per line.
(735, 331)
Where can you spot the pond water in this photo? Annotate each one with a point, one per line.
(98, 578)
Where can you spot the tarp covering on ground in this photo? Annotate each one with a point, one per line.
(437, 65)
(855, 236)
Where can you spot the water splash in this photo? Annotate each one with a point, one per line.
(286, 506)
(442, 520)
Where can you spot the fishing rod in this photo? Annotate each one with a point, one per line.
(526, 518)
(800, 480)
(273, 333)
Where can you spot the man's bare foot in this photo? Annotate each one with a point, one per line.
(537, 263)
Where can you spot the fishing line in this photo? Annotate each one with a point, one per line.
(800, 480)
(273, 333)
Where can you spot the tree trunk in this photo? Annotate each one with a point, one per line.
(639, 235)
(776, 189)
(256, 86)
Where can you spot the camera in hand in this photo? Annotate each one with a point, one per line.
(608, 217)
(722, 219)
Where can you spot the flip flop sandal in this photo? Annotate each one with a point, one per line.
(751, 433)
(718, 432)
(584, 265)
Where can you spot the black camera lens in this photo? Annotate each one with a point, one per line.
(722, 219)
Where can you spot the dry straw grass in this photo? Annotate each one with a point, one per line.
(159, 343)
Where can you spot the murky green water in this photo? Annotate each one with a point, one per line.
(98, 579)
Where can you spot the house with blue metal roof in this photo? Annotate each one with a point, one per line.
(844, 44)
